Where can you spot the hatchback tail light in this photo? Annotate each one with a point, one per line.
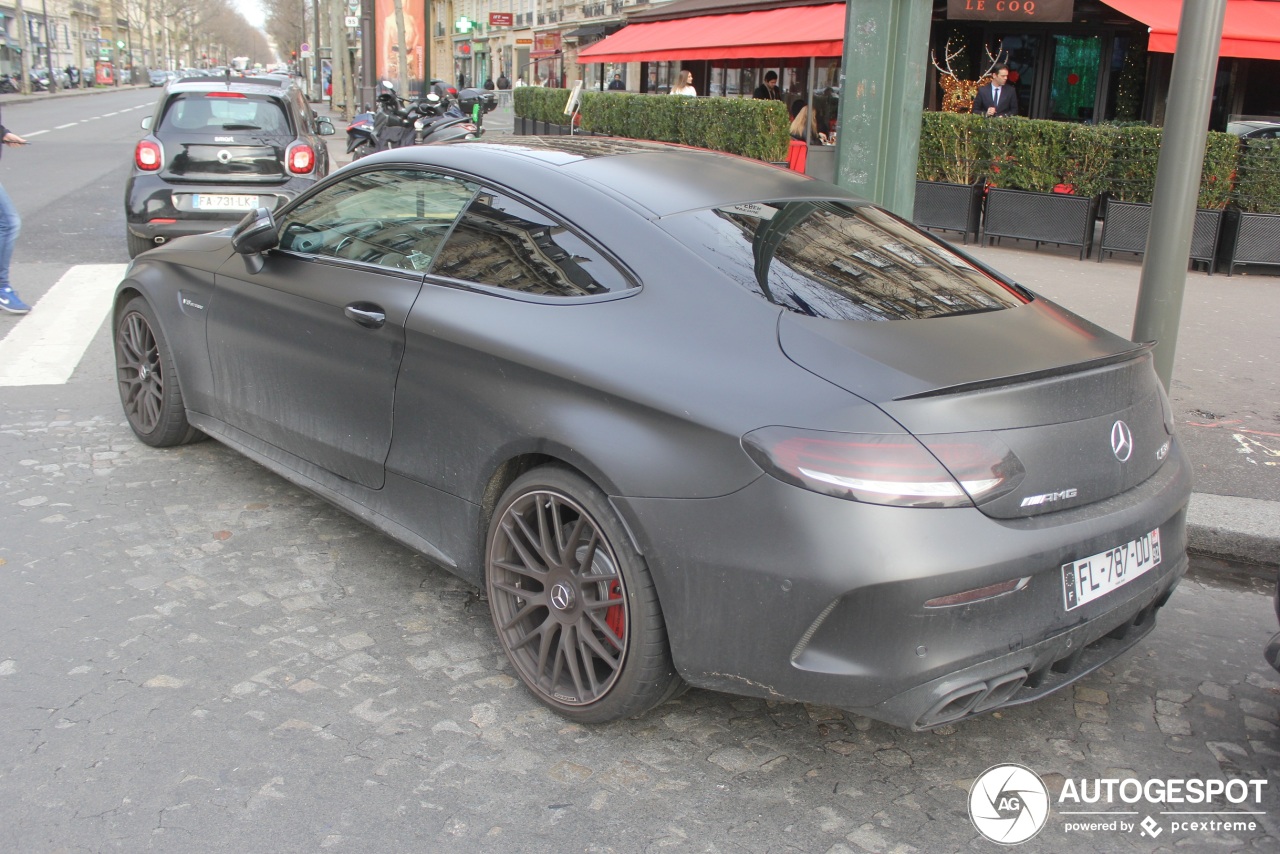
(894, 470)
(148, 156)
(301, 159)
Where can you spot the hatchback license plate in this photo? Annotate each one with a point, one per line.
(209, 202)
(1097, 575)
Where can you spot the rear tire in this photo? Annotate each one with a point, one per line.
(573, 604)
(138, 245)
(148, 381)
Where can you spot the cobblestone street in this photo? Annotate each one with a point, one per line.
(196, 656)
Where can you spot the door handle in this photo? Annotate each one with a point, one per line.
(366, 314)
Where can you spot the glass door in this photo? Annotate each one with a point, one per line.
(1073, 86)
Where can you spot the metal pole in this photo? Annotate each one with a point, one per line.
(48, 47)
(1173, 204)
(428, 43)
(368, 69)
(886, 48)
(315, 61)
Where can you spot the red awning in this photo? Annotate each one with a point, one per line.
(795, 31)
(1251, 29)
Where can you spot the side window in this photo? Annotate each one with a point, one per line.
(506, 244)
(390, 217)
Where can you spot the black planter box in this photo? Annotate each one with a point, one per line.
(1250, 238)
(1125, 226)
(949, 207)
(1057, 218)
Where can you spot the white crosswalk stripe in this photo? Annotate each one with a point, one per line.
(45, 346)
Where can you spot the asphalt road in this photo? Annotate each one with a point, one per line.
(196, 656)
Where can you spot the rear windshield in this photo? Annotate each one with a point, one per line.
(198, 112)
(834, 260)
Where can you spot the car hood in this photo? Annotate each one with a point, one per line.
(1048, 383)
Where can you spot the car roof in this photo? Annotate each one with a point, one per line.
(657, 178)
(247, 85)
(1251, 125)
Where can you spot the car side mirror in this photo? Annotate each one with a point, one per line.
(325, 127)
(146, 123)
(255, 234)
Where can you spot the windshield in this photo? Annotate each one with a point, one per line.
(835, 260)
(200, 112)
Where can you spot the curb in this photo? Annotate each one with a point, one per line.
(1235, 529)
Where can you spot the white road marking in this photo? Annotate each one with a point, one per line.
(104, 115)
(47, 344)
(68, 125)
(33, 133)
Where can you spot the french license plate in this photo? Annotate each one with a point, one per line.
(211, 202)
(1097, 575)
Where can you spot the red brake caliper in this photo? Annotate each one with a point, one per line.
(615, 618)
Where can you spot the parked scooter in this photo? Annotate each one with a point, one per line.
(392, 123)
(360, 139)
(449, 122)
(9, 83)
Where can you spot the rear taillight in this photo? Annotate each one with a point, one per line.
(895, 470)
(301, 159)
(148, 155)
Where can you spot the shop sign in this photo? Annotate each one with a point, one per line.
(1010, 10)
(549, 42)
(500, 19)
(524, 41)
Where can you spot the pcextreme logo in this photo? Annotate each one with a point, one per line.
(1010, 804)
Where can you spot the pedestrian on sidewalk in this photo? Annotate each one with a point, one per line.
(999, 98)
(10, 224)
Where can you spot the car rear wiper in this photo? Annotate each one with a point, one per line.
(241, 127)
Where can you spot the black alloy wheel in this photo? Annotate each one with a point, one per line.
(573, 603)
(148, 382)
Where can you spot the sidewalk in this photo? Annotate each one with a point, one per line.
(1225, 390)
(18, 97)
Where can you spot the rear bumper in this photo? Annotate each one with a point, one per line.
(148, 199)
(778, 592)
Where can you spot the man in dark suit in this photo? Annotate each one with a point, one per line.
(999, 98)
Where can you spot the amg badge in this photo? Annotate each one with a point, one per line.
(1049, 497)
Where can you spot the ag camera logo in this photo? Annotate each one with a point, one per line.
(1008, 804)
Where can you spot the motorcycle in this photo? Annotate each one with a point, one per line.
(8, 84)
(392, 124)
(360, 140)
(446, 122)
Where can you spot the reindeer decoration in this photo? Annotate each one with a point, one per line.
(957, 94)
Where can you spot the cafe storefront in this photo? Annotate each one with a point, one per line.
(1070, 60)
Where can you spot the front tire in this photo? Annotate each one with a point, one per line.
(573, 603)
(148, 382)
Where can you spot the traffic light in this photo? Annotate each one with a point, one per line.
(293, 54)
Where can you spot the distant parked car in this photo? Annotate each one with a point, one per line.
(157, 77)
(1255, 129)
(216, 149)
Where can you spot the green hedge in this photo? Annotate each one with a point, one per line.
(1027, 154)
(1258, 178)
(1037, 154)
(737, 125)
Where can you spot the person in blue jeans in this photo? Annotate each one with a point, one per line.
(10, 224)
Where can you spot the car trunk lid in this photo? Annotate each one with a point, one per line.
(1082, 409)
